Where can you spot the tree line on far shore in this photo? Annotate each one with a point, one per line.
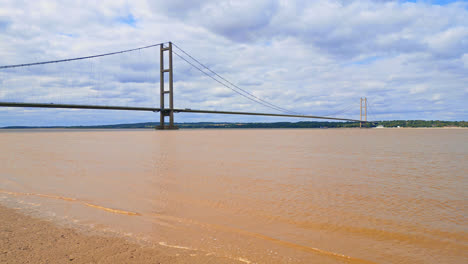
(312, 124)
(302, 124)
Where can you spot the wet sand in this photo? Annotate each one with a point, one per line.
(25, 239)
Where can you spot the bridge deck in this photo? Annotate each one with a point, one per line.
(152, 109)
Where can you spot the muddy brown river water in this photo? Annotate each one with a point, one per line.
(254, 196)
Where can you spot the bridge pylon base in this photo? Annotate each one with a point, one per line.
(165, 127)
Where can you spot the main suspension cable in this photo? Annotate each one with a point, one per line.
(257, 99)
(79, 58)
(196, 67)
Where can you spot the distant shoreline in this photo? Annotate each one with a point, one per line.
(20, 130)
(275, 125)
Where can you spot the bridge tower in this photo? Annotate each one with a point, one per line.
(365, 110)
(166, 111)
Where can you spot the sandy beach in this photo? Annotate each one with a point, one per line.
(25, 239)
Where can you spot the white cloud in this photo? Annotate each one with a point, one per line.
(465, 60)
(436, 97)
(418, 88)
(451, 42)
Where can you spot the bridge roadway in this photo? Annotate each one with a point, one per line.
(152, 109)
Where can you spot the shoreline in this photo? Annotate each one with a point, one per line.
(27, 239)
(220, 129)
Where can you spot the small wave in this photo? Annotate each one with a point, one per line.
(240, 259)
(284, 243)
(248, 233)
(68, 199)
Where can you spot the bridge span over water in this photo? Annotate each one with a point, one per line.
(166, 52)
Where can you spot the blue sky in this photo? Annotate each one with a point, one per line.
(128, 19)
(409, 58)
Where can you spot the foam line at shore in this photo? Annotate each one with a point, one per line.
(164, 244)
(68, 199)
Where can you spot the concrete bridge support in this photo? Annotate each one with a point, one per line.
(166, 111)
(363, 106)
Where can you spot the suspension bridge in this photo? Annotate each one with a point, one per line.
(166, 107)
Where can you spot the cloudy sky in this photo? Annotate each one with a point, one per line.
(409, 58)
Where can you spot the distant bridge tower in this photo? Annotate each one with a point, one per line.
(365, 110)
(164, 111)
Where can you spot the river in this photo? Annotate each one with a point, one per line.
(255, 196)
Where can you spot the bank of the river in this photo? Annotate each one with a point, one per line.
(25, 239)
